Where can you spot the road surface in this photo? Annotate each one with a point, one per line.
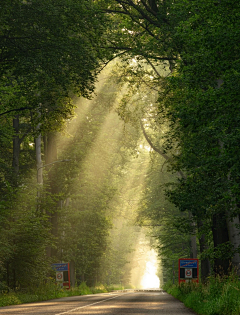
(115, 303)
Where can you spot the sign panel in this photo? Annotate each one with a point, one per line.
(62, 274)
(60, 267)
(59, 276)
(188, 273)
(188, 263)
(188, 270)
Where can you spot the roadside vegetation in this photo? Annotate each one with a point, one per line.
(219, 296)
(52, 291)
(140, 101)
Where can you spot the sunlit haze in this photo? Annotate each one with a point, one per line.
(144, 274)
(150, 280)
(102, 138)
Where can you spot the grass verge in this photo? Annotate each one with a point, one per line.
(220, 296)
(51, 291)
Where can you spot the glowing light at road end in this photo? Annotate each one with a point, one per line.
(150, 280)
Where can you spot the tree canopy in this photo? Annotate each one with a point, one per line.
(176, 91)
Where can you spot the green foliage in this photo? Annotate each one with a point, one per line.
(24, 237)
(117, 260)
(49, 290)
(49, 50)
(84, 289)
(89, 184)
(189, 114)
(201, 104)
(199, 99)
(219, 296)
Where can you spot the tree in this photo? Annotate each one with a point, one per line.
(198, 110)
(198, 98)
(49, 50)
(82, 190)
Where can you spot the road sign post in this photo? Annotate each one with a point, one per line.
(188, 270)
(62, 274)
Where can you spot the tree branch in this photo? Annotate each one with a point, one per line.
(166, 157)
(16, 110)
(148, 85)
(140, 53)
(115, 11)
(106, 63)
(154, 68)
(153, 5)
(150, 9)
(139, 10)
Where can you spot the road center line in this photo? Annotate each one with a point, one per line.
(75, 309)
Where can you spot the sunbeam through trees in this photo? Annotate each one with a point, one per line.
(139, 101)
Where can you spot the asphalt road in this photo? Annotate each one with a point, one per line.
(117, 303)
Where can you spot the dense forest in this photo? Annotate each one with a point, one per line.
(118, 118)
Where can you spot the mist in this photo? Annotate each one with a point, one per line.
(107, 174)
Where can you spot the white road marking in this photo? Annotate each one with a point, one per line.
(78, 308)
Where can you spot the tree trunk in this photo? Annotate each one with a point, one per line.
(39, 168)
(220, 236)
(38, 143)
(50, 150)
(72, 274)
(234, 237)
(205, 263)
(232, 222)
(16, 146)
(193, 238)
(193, 246)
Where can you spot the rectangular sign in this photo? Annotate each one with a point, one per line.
(188, 263)
(59, 276)
(188, 273)
(188, 270)
(60, 267)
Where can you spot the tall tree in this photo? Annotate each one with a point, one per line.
(198, 101)
(49, 51)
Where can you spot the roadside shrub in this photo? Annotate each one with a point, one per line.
(84, 289)
(220, 296)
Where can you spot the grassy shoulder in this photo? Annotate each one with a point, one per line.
(220, 296)
(51, 291)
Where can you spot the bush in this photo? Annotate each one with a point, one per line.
(220, 296)
(50, 290)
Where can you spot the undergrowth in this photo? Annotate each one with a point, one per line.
(51, 291)
(220, 296)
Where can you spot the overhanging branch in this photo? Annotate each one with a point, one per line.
(165, 156)
(15, 110)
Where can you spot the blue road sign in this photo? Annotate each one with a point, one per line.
(60, 267)
(188, 263)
